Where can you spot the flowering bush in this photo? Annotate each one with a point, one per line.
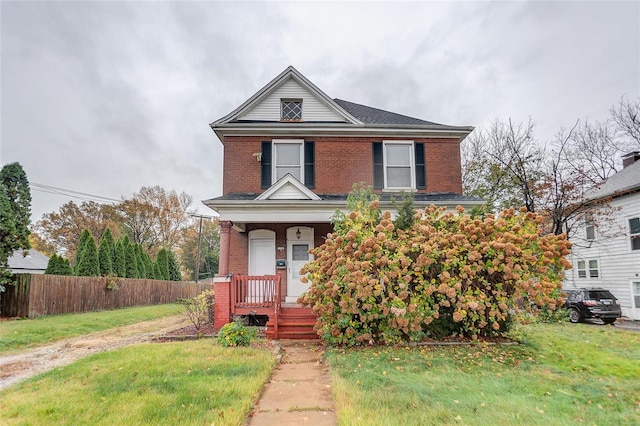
(447, 274)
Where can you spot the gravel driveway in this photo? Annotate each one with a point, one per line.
(20, 366)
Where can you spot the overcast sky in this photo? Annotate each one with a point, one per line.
(106, 97)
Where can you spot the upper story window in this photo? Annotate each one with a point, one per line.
(282, 156)
(398, 165)
(291, 109)
(288, 157)
(589, 228)
(588, 269)
(634, 233)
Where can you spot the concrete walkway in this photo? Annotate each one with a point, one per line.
(299, 391)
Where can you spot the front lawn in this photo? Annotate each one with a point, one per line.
(28, 333)
(188, 383)
(562, 374)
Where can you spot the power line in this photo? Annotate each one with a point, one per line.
(71, 193)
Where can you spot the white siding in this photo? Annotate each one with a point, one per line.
(619, 265)
(288, 192)
(312, 108)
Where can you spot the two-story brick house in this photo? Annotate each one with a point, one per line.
(292, 155)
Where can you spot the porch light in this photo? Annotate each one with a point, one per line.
(298, 233)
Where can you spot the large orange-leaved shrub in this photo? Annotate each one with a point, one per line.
(446, 274)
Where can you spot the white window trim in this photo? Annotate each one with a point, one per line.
(587, 269)
(283, 100)
(412, 164)
(274, 160)
(589, 223)
(628, 219)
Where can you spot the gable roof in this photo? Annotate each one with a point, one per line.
(340, 118)
(624, 182)
(33, 261)
(289, 73)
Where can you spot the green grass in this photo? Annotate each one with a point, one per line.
(563, 374)
(28, 333)
(187, 383)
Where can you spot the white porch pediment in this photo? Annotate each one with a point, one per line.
(288, 188)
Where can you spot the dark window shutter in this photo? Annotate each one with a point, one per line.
(309, 165)
(421, 179)
(265, 171)
(378, 166)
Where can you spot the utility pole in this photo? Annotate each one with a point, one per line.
(199, 239)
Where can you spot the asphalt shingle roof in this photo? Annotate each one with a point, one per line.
(370, 115)
(34, 260)
(628, 179)
(418, 197)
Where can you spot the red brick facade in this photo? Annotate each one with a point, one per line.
(340, 162)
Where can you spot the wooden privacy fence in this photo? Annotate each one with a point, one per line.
(37, 295)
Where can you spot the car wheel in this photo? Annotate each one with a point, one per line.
(608, 320)
(574, 316)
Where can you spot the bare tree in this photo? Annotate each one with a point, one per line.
(626, 115)
(503, 164)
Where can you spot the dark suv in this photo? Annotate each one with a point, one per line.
(592, 303)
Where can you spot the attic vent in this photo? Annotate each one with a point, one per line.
(291, 109)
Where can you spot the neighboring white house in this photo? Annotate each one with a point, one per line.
(33, 263)
(607, 254)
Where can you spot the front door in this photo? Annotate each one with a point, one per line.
(262, 261)
(299, 242)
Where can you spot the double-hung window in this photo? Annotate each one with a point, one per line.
(589, 228)
(399, 165)
(634, 233)
(293, 156)
(588, 269)
(288, 158)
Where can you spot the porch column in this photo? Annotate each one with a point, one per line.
(225, 231)
(222, 283)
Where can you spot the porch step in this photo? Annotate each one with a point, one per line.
(293, 323)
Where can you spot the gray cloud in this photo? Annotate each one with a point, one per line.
(104, 97)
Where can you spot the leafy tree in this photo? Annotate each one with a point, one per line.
(105, 253)
(88, 263)
(119, 267)
(174, 269)
(58, 265)
(406, 212)
(85, 236)
(148, 266)
(15, 185)
(52, 265)
(162, 260)
(61, 229)
(41, 245)
(130, 259)
(142, 272)
(15, 207)
(155, 217)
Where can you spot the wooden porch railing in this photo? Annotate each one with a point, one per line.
(255, 291)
